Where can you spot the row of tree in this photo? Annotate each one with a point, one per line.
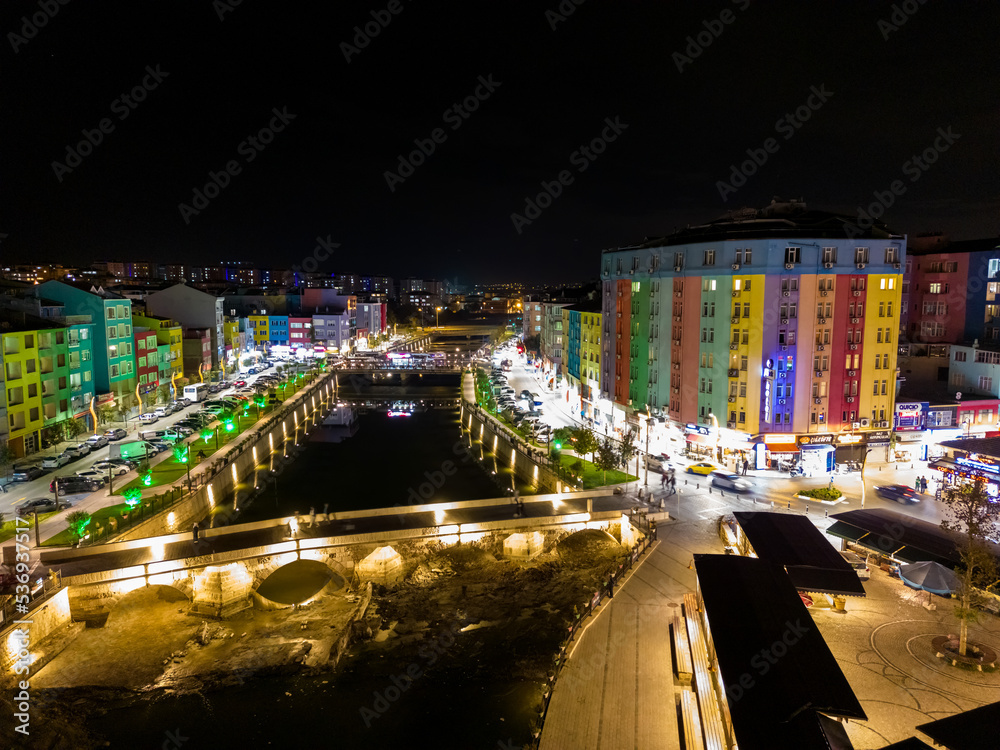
(606, 453)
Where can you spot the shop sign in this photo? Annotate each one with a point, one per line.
(878, 437)
(849, 439)
(978, 462)
(911, 416)
(767, 399)
(815, 439)
(778, 438)
(700, 429)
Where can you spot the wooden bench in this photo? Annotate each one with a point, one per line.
(690, 721)
(682, 652)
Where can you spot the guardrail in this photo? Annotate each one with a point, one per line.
(37, 595)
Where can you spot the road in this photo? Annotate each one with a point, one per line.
(17, 492)
(767, 486)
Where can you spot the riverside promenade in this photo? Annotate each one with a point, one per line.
(617, 687)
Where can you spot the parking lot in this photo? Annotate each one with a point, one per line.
(88, 463)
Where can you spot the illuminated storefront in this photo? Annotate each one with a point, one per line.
(969, 460)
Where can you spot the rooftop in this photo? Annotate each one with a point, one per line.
(752, 609)
(795, 543)
(789, 219)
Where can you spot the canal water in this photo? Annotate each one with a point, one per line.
(471, 696)
(417, 455)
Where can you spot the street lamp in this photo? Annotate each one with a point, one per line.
(649, 428)
(718, 436)
(437, 317)
(863, 462)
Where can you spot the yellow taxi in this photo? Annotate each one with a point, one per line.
(703, 467)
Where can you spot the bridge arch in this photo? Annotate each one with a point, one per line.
(284, 580)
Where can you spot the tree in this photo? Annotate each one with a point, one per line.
(607, 457)
(972, 522)
(584, 441)
(162, 393)
(78, 521)
(73, 428)
(105, 414)
(7, 458)
(533, 343)
(628, 449)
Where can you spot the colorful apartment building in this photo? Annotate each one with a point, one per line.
(111, 314)
(197, 354)
(770, 332)
(47, 378)
(169, 333)
(582, 356)
(147, 359)
(259, 327)
(300, 333)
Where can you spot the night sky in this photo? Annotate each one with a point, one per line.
(684, 113)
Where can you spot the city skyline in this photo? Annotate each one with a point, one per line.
(409, 139)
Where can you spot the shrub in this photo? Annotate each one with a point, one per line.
(823, 493)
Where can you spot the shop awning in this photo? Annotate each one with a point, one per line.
(782, 447)
(843, 530)
(697, 437)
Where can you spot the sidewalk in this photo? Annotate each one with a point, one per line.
(617, 687)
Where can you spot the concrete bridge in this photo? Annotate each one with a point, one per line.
(223, 571)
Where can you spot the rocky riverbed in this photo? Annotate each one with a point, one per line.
(461, 625)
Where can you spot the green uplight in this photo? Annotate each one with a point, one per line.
(132, 496)
(206, 434)
(181, 453)
(147, 478)
(230, 426)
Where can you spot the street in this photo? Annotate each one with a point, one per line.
(17, 492)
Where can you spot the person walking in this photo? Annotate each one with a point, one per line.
(194, 532)
(746, 466)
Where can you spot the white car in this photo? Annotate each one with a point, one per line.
(97, 441)
(148, 418)
(79, 450)
(54, 462)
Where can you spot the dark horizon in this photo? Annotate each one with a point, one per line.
(417, 141)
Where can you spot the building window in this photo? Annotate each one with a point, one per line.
(829, 255)
(860, 255)
(985, 383)
(793, 255)
(709, 258)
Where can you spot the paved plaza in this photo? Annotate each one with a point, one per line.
(617, 689)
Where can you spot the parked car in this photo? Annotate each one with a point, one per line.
(162, 411)
(526, 394)
(113, 466)
(97, 476)
(78, 451)
(148, 418)
(74, 485)
(899, 493)
(159, 445)
(184, 401)
(54, 462)
(215, 388)
(726, 480)
(96, 441)
(860, 566)
(26, 473)
(40, 505)
(239, 383)
(115, 434)
(702, 467)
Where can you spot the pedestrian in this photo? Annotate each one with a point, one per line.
(194, 532)
(611, 587)
(663, 480)
(312, 517)
(746, 466)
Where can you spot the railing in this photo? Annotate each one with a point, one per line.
(581, 617)
(38, 594)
